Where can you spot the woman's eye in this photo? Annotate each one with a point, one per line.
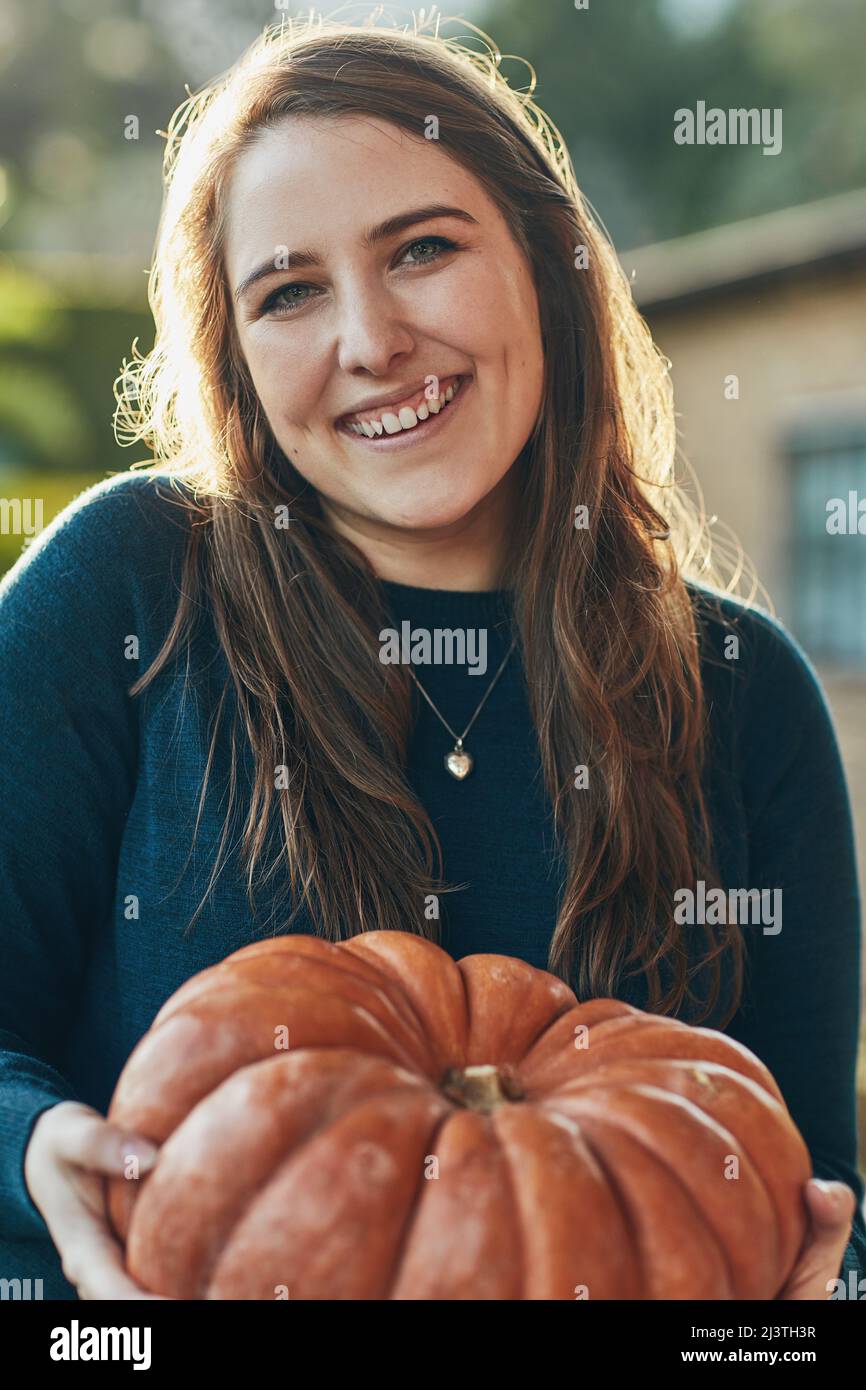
(276, 306)
(438, 243)
(273, 305)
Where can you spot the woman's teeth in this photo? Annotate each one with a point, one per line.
(406, 418)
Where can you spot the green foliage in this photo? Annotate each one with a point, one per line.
(31, 310)
(611, 77)
(56, 398)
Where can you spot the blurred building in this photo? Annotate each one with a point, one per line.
(765, 325)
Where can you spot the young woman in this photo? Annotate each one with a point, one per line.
(399, 390)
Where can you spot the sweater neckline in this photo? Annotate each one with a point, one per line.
(411, 589)
(464, 606)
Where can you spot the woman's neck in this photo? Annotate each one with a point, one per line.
(470, 555)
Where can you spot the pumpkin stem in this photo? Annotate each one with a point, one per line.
(481, 1088)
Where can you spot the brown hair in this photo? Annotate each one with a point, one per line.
(606, 625)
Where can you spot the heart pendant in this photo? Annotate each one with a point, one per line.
(459, 763)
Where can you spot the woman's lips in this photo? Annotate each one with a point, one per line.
(412, 401)
(424, 429)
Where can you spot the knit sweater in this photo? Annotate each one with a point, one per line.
(100, 794)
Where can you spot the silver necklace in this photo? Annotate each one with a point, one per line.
(458, 762)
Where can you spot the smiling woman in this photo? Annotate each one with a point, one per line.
(389, 369)
(454, 304)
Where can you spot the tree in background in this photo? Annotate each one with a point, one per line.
(85, 85)
(611, 76)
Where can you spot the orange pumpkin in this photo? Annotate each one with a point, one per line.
(372, 1120)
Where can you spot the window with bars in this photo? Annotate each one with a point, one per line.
(827, 571)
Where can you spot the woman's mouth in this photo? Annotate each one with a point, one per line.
(388, 427)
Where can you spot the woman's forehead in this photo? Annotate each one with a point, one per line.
(305, 155)
(323, 184)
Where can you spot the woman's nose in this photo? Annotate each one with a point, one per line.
(371, 331)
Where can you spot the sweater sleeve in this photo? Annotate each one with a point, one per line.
(803, 982)
(66, 779)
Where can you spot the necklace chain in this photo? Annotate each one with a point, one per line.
(459, 762)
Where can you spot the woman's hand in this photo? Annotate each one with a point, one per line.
(831, 1208)
(71, 1148)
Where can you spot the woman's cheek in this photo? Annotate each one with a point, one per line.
(278, 378)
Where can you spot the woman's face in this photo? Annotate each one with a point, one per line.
(369, 319)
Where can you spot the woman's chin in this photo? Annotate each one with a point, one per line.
(431, 519)
(433, 509)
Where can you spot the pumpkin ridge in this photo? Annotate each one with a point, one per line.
(229, 979)
(275, 1172)
(336, 1091)
(737, 1079)
(737, 1058)
(362, 947)
(632, 1224)
(467, 1012)
(413, 1211)
(632, 1127)
(620, 1198)
(534, 999)
(401, 1003)
(770, 1100)
(761, 1096)
(607, 1028)
(545, 1027)
(524, 1131)
(515, 1205)
(748, 1058)
(395, 1053)
(298, 1155)
(199, 1013)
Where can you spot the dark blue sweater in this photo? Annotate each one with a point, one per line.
(99, 795)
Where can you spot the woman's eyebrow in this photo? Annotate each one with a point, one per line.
(390, 227)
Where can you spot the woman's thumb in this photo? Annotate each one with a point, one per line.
(96, 1144)
(136, 1154)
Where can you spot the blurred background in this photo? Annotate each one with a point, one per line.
(749, 266)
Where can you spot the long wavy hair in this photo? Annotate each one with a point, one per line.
(605, 622)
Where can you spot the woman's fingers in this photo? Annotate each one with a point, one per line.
(831, 1211)
(95, 1265)
(71, 1151)
(830, 1203)
(95, 1144)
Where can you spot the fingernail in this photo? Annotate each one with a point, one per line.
(142, 1151)
(829, 1189)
